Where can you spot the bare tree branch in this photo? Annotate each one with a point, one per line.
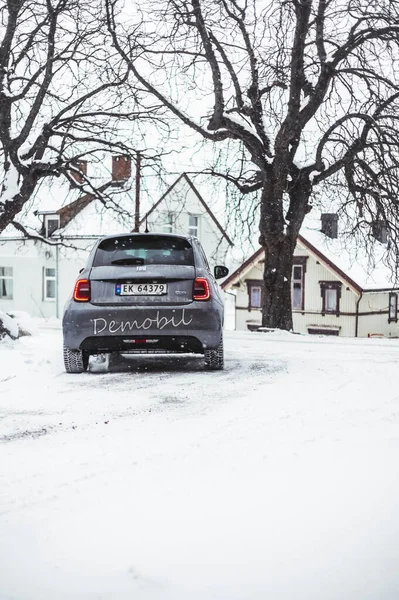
(63, 95)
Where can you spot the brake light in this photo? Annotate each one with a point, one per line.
(202, 290)
(81, 293)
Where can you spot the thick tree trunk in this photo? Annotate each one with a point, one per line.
(278, 237)
(276, 310)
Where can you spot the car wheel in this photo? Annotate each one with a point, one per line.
(214, 359)
(75, 361)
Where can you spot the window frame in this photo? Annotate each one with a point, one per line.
(324, 287)
(4, 278)
(168, 222)
(258, 289)
(251, 284)
(193, 227)
(299, 261)
(393, 319)
(47, 278)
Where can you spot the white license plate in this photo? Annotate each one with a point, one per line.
(141, 289)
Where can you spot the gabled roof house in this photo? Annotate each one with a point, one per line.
(37, 275)
(337, 288)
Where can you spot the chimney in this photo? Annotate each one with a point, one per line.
(380, 231)
(82, 166)
(121, 168)
(329, 225)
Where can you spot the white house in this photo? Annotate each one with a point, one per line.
(337, 288)
(38, 277)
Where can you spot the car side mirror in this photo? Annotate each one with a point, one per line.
(220, 271)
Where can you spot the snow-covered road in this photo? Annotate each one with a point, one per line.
(276, 478)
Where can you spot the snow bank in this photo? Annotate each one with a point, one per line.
(278, 332)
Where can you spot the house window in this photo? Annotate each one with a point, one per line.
(298, 282)
(297, 287)
(254, 294)
(6, 283)
(49, 284)
(331, 300)
(393, 308)
(331, 294)
(168, 222)
(193, 225)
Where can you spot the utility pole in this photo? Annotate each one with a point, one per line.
(137, 203)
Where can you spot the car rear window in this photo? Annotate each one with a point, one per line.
(143, 250)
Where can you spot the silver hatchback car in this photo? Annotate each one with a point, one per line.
(145, 293)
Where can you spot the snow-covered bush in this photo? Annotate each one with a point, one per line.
(26, 323)
(8, 327)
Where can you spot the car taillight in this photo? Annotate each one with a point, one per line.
(81, 293)
(201, 289)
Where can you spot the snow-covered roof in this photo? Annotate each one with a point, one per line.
(96, 219)
(86, 215)
(363, 267)
(55, 194)
(367, 265)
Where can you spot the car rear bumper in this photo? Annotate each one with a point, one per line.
(116, 327)
(143, 344)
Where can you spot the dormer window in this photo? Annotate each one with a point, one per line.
(51, 224)
(380, 231)
(329, 225)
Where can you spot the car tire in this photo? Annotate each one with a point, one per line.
(214, 359)
(75, 361)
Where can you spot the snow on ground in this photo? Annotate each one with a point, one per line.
(276, 478)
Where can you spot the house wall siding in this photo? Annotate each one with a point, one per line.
(376, 324)
(312, 315)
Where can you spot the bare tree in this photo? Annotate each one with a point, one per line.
(63, 98)
(307, 88)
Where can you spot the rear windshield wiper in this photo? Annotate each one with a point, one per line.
(128, 261)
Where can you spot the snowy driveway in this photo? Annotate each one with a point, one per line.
(276, 478)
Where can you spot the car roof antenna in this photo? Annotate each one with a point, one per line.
(146, 225)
